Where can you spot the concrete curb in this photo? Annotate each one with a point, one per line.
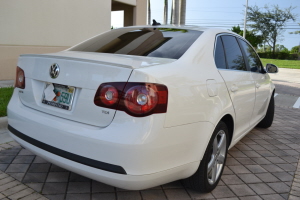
(4, 135)
(6, 83)
(3, 124)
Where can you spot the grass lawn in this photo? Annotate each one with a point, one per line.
(5, 94)
(293, 64)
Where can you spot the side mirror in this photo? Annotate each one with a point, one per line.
(270, 68)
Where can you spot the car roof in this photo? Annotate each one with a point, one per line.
(187, 27)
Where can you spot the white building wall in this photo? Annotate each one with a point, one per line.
(45, 26)
(52, 22)
(129, 2)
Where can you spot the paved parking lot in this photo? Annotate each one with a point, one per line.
(263, 165)
(287, 81)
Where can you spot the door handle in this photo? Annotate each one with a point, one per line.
(234, 88)
(257, 85)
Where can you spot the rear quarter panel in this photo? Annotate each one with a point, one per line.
(188, 100)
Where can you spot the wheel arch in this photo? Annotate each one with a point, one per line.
(228, 120)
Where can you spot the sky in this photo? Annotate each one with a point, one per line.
(223, 14)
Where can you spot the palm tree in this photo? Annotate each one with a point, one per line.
(175, 12)
(182, 11)
(166, 12)
(149, 13)
(178, 12)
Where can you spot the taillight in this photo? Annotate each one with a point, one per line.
(109, 95)
(136, 99)
(140, 99)
(20, 78)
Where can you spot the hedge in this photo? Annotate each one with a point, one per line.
(279, 55)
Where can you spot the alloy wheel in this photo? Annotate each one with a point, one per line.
(218, 153)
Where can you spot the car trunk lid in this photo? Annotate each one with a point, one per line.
(79, 71)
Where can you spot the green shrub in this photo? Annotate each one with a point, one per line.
(5, 95)
(278, 55)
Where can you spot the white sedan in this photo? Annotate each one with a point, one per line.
(137, 107)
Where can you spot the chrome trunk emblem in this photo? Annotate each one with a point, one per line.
(54, 70)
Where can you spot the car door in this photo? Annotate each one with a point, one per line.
(261, 81)
(232, 67)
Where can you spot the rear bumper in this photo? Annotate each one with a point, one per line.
(68, 155)
(130, 153)
(129, 182)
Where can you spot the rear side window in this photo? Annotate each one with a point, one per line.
(234, 56)
(148, 41)
(219, 54)
(251, 57)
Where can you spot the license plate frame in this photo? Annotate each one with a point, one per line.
(64, 96)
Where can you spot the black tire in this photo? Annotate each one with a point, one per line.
(200, 181)
(267, 121)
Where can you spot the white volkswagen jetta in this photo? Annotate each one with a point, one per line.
(141, 106)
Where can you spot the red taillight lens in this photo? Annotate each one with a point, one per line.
(20, 78)
(136, 99)
(109, 95)
(140, 99)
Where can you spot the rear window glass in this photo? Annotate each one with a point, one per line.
(234, 56)
(152, 42)
(219, 55)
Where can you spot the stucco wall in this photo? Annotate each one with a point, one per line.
(9, 57)
(129, 2)
(133, 15)
(140, 12)
(45, 26)
(52, 23)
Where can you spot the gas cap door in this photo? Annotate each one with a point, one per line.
(211, 86)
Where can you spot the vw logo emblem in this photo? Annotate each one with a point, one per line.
(54, 70)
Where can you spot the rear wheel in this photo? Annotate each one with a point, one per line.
(211, 167)
(267, 121)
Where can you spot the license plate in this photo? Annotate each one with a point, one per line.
(63, 96)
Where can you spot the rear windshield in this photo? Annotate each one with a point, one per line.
(152, 42)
